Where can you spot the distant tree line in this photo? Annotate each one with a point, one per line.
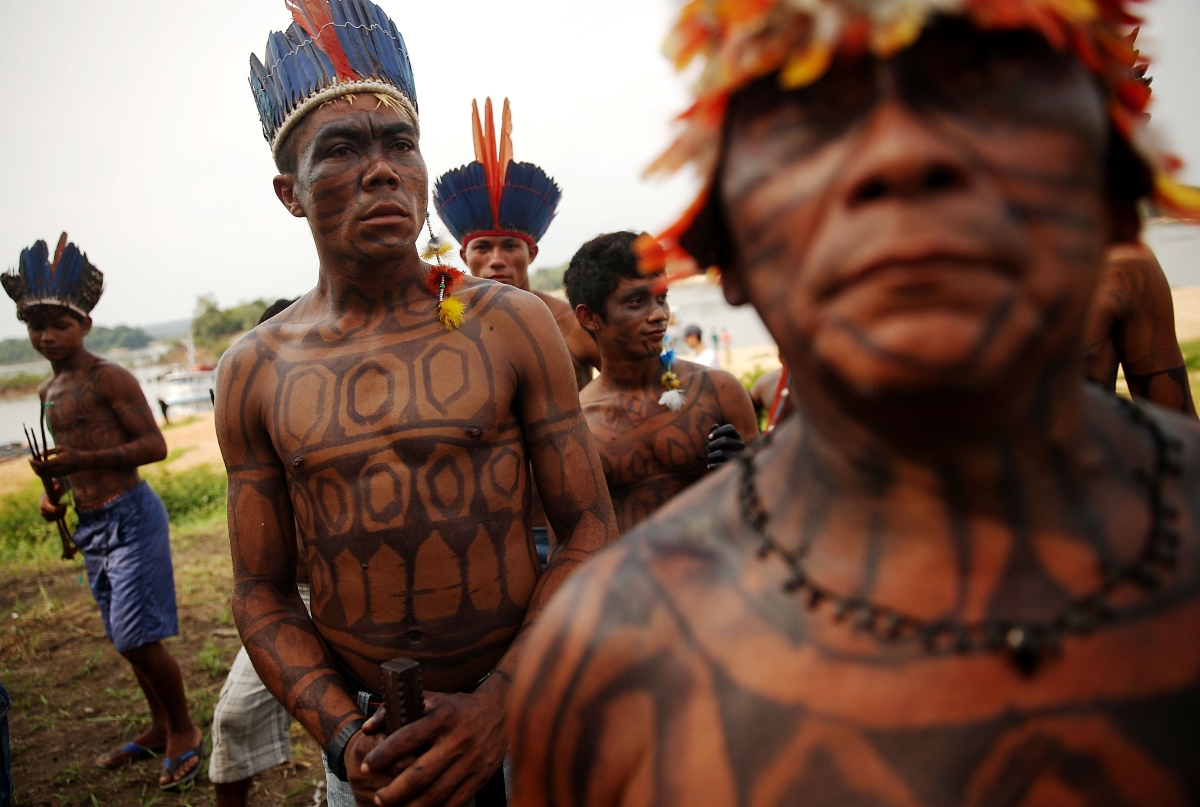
(213, 324)
(100, 340)
(547, 280)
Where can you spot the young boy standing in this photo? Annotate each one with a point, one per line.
(104, 431)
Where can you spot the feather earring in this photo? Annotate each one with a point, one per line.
(442, 279)
(673, 398)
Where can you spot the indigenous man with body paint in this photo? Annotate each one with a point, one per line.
(387, 423)
(1132, 326)
(104, 430)
(498, 210)
(660, 423)
(961, 576)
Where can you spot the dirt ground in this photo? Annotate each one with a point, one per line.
(75, 698)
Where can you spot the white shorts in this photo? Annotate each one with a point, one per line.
(251, 731)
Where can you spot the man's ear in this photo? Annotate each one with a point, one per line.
(588, 318)
(285, 189)
(85, 327)
(533, 252)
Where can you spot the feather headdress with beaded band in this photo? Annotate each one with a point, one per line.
(333, 48)
(494, 195)
(741, 41)
(69, 280)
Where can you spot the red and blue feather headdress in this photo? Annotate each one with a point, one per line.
(69, 280)
(495, 196)
(334, 48)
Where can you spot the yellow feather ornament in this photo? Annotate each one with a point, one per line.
(452, 312)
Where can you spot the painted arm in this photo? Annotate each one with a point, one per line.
(120, 390)
(729, 439)
(276, 629)
(1145, 336)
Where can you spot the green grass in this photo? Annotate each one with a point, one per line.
(1191, 355)
(194, 495)
(22, 383)
(210, 660)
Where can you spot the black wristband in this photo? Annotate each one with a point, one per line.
(335, 752)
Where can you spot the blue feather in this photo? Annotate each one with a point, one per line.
(74, 282)
(389, 51)
(528, 201)
(70, 268)
(294, 68)
(461, 200)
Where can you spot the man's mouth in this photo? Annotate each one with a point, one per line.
(919, 260)
(385, 213)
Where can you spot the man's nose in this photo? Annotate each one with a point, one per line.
(902, 158)
(380, 172)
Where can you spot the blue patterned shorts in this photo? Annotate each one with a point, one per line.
(127, 550)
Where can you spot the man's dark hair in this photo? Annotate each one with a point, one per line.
(275, 309)
(597, 269)
(286, 158)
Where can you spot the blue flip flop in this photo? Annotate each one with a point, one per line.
(172, 765)
(136, 753)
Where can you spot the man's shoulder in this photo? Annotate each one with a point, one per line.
(1131, 269)
(504, 306)
(559, 307)
(721, 380)
(666, 568)
(247, 344)
(701, 524)
(111, 372)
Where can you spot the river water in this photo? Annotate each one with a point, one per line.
(1177, 246)
(25, 411)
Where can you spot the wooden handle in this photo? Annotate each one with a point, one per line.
(68, 545)
(403, 695)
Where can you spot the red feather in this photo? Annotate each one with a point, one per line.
(62, 245)
(492, 166)
(433, 278)
(316, 19)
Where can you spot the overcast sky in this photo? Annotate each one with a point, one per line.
(132, 127)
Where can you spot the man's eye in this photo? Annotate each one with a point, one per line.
(403, 145)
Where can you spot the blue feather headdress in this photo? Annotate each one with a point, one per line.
(334, 48)
(495, 196)
(69, 281)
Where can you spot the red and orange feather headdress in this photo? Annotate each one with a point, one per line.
(740, 41)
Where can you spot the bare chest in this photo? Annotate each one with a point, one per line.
(379, 432)
(78, 416)
(638, 438)
(1109, 721)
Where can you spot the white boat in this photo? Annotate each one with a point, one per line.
(189, 391)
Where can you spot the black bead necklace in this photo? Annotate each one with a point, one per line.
(1026, 644)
